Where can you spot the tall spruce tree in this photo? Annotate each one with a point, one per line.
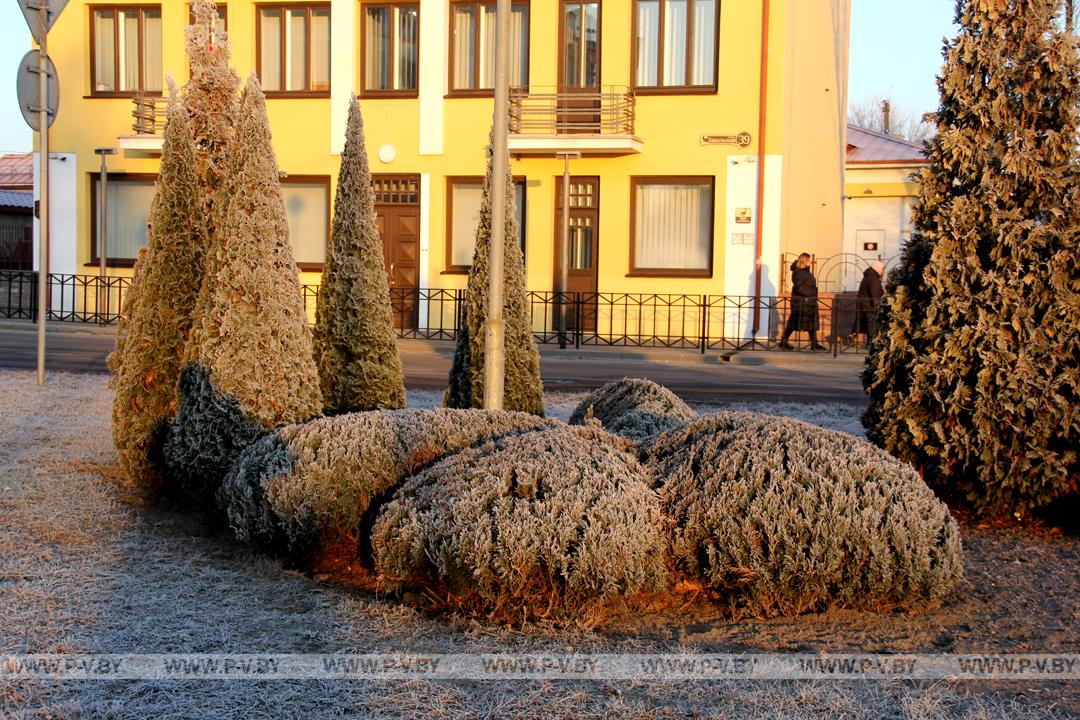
(158, 314)
(522, 389)
(355, 347)
(990, 406)
(249, 363)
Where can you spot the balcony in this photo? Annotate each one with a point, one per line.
(544, 121)
(146, 131)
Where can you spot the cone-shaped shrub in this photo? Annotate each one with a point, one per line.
(212, 102)
(355, 348)
(522, 387)
(159, 312)
(633, 408)
(779, 516)
(309, 486)
(250, 336)
(558, 518)
(987, 407)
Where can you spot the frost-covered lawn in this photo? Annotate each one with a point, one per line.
(84, 568)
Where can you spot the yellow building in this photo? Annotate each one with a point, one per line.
(662, 99)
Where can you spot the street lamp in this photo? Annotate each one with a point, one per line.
(560, 309)
(103, 226)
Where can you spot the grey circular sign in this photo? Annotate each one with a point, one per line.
(26, 84)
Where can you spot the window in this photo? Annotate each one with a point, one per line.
(127, 209)
(672, 220)
(580, 58)
(391, 44)
(293, 49)
(675, 44)
(125, 50)
(463, 197)
(222, 13)
(472, 46)
(307, 204)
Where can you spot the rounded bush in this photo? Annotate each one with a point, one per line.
(634, 408)
(310, 484)
(558, 518)
(780, 516)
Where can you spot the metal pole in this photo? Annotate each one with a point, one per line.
(494, 352)
(565, 248)
(103, 205)
(43, 189)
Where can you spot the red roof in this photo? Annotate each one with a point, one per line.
(869, 147)
(17, 171)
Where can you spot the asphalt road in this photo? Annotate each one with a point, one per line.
(749, 376)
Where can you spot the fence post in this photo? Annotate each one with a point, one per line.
(704, 322)
(835, 335)
(577, 320)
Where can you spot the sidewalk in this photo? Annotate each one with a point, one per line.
(548, 353)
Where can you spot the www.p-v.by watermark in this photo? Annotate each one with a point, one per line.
(539, 666)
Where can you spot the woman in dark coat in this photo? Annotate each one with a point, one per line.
(866, 299)
(804, 311)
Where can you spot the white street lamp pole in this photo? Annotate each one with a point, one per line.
(494, 351)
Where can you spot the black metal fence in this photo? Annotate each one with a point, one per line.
(692, 322)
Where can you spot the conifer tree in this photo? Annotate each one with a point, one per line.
(522, 389)
(212, 102)
(249, 364)
(355, 347)
(990, 407)
(158, 313)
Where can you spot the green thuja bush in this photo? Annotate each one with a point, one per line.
(522, 387)
(158, 314)
(986, 408)
(778, 516)
(633, 408)
(309, 486)
(557, 518)
(250, 340)
(355, 347)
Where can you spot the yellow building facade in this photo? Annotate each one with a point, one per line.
(671, 109)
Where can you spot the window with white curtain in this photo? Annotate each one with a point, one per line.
(391, 35)
(307, 204)
(463, 200)
(128, 199)
(675, 43)
(294, 48)
(126, 50)
(472, 42)
(673, 225)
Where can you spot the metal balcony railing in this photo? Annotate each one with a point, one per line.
(149, 114)
(546, 111)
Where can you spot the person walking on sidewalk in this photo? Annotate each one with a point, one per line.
(866, 299)
(804, 311)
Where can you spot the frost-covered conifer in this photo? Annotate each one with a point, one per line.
(249, 360)
(986, 407)
(355, 348)
(522, 389)
(146, 363)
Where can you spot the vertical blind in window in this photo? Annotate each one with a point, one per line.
(391, 35)
(294, 53)
(465, 200)
(118, 36)
(305, 204)
(128, 207)
(473, 45)
(672, 226)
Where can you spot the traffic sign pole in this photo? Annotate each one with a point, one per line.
(43, 222)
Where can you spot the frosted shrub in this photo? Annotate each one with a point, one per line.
(634, 409)
(784, 517)
(310, 484)
(561, 517)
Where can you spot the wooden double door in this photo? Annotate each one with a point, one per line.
(583, 249)
(397, 214)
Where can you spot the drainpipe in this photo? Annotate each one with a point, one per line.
(762, 106)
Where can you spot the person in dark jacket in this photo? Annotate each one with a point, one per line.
(866, 300)
(804, 311)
